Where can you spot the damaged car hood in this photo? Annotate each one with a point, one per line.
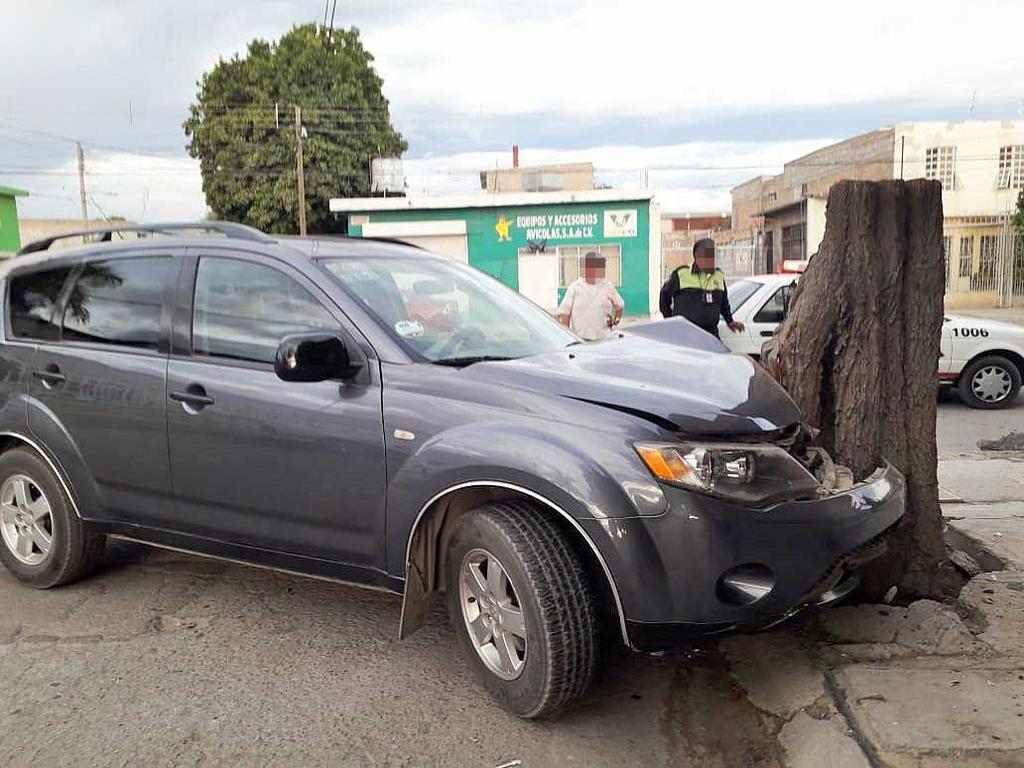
(698, 390)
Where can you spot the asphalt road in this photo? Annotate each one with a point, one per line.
(959, 428)
(164, 659)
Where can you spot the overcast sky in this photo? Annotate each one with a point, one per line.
(692, 97)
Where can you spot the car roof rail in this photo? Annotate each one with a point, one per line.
(105, 234)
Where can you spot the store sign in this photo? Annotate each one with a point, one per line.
(558, 226)
(620, 223)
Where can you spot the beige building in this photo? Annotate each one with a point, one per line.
(980, 165)
(563, 177)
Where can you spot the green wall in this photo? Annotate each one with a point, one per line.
(500, 257)
(10, 240)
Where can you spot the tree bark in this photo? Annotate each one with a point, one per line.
(859, 352)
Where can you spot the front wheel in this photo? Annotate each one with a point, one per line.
(520, 601)
(989, 382)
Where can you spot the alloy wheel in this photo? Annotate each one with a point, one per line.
(991, 384)
(26, 520)
(493, 614)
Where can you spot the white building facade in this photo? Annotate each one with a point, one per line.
(981, 167)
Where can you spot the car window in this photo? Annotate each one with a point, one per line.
(776, 308)
(740, 291)
(32, 301)
(119, 302)
(242, 310)
(447, 312)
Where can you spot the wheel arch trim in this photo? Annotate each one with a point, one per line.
(536, 497)
(54, 467)
(1015, 357)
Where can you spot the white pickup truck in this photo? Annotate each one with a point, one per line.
(983, 359)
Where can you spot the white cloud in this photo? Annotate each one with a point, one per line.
(649, 57)
(694, 176)
(135, 187)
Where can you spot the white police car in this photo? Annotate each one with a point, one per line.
(983, 359)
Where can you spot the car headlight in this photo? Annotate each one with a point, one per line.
(750, 474)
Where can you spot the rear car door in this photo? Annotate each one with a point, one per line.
(101, 380)
(284, 466)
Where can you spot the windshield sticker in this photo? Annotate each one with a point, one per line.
(409, 328)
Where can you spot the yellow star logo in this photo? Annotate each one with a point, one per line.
(502, 227)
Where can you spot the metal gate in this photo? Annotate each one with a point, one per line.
(1008, 265)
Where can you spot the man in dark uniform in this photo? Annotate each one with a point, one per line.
(698, 292)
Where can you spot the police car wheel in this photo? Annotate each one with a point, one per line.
(990, 382)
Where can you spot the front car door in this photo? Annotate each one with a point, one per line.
(296, 468)
(98, 383)
(766, 319)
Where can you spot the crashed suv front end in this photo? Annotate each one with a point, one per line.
(712, 564)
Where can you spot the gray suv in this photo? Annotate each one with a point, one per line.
(370, 412)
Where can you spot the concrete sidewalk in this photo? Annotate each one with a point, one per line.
(924, 685)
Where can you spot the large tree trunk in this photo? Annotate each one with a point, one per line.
(858, 353)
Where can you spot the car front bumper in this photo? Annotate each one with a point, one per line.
(673, 573)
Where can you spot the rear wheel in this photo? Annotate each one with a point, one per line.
(42, 541)
(989, 382)
(520, 601)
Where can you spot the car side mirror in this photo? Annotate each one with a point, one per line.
(313, 357)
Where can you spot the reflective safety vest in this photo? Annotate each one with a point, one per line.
(700, 297)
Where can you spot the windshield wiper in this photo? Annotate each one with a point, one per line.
(462, 362)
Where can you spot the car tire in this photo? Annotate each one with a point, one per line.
(557, 645)
(979, 379)
(42, 541)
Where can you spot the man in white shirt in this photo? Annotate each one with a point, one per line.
(591, 306)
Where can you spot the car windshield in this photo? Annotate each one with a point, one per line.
(740, 291)
(448, 313)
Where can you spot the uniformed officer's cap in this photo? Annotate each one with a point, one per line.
(704, 242)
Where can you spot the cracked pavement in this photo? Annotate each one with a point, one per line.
(166, 659)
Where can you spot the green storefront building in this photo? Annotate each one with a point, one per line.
(533, 241)
(10, 239)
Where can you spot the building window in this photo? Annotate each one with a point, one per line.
(939, 164)
(793, 242)
(987, 259)
(966, 255)
(773, 196)
(947, 244)
(1011, 167)
(570, 261)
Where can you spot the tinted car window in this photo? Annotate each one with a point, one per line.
(243, 310)
(118, 302)
(32, 301)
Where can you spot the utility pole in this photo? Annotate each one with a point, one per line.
(301, 178)
(81, 184)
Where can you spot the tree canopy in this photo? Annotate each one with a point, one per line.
(1018, 216)
(242, 128)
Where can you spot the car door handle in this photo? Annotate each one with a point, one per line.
(194, 396)
(767, 333)
(50, 376)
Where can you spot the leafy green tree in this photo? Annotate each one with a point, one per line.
(1018, 217)
(242, 128)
